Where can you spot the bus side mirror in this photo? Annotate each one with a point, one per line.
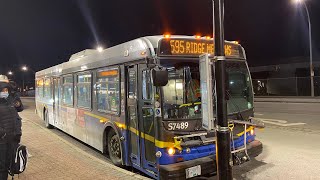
(159, 76)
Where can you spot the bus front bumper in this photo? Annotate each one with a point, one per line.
(208, 164)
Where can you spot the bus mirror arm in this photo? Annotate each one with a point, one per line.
(150, 62)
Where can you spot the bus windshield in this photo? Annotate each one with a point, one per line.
(182, 94)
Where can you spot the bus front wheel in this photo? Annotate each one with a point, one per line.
(114, 148)
(46, 120)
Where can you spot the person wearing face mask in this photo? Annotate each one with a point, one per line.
(10, 129)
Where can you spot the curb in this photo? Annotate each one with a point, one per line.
(91, 157)
(287, 100)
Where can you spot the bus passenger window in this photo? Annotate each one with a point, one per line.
(39, 88)
(107, 88)
(84, 90)
(47, 89)
(68, 90)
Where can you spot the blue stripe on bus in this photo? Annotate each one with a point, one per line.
(196, 152)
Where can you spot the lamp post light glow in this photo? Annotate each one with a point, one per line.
(99, 48)
(10, 73)
(24, 68)
(310, 45)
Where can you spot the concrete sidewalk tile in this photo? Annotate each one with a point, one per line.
(55, 158)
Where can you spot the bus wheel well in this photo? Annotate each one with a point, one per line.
(105, 136)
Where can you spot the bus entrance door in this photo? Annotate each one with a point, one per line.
(141, 118)
(133, 126)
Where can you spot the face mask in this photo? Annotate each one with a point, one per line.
(4, 95)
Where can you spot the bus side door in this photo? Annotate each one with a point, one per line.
(132, 115)
(141, 118)
(147, 119)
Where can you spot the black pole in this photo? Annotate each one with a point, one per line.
(223, 152)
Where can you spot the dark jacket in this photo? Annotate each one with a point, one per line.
(10, 122)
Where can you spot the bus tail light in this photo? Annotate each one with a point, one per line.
(171, 151)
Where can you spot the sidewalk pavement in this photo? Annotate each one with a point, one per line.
(287, 99)
(52, 157)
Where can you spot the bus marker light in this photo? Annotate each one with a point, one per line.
(252, 132)
(179, 159)
(143, 53)
(197, 36)
(171, 151)
(208, 37)
(167, 36)
(103, 120)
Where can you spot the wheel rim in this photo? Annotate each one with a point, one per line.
(115, 146)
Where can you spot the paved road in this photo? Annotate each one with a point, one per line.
(291, 151)
(291, 148)
(298, 116)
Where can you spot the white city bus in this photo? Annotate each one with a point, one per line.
(140, 102)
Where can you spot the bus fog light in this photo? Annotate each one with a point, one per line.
(158, 154)
(171, 151)
(188, 150)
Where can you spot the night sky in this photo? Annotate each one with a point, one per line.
(42, 33)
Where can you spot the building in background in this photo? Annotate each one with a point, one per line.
(291, 77)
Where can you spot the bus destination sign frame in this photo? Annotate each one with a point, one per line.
(194, 47)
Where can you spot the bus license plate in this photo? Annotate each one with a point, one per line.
(193, 171)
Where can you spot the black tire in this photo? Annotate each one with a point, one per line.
(46, 120)
(114, 148)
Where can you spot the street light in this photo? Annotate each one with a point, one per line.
(24, 68)
(310, 45)
(10, 73)
(100, 49)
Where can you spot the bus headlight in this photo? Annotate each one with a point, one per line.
(171, 151)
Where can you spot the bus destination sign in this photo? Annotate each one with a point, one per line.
(193, 47)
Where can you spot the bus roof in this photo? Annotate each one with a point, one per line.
(129, 51)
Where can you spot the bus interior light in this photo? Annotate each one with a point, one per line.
(171, 151)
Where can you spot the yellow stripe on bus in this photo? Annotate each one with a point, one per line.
(101, 119)
(159, 144)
